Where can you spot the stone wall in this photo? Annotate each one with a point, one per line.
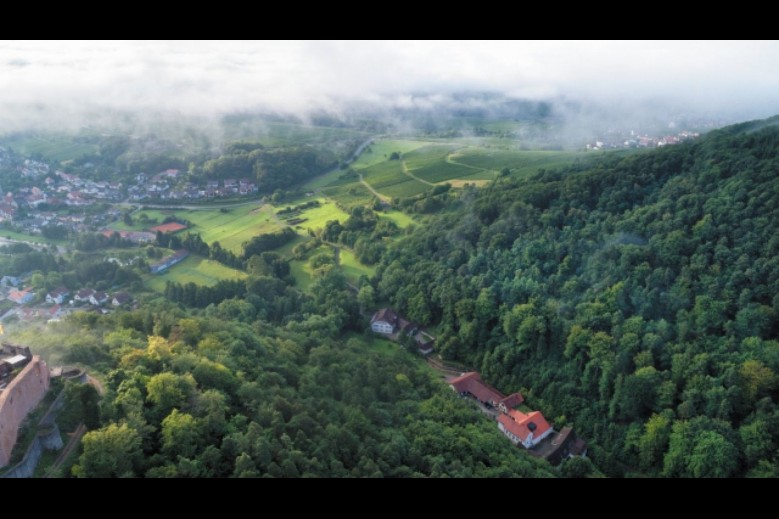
(49, 439)
(20, 397)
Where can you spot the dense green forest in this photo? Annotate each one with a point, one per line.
(222, 392)
(635, 299)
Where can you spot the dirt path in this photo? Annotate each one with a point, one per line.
(92, 381)
(369, 187)
(74, 441)
(410, 174)
(450, 160)
(444, 368)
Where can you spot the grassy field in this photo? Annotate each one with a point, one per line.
(377, 344)
(349, 194)
(380, 151)
(230, 228)
(429, 155)
(52, 147)
(521, 163)
(329, 178)
(301, 273)
(304, 275)
(402, 220)
(36, 238)
(196, 270)
(352, 268)
(317, 217)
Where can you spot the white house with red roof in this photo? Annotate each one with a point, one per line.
(529, 429)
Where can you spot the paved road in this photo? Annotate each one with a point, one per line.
(359, 150)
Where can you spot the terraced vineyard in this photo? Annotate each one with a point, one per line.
(519, 162)
(388, 179)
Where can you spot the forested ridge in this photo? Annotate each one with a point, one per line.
(635, 298)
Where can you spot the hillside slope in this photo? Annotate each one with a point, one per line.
(636, 298)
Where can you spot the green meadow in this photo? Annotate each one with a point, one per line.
(194, 269)
(316, 217)
(381, 150)
(230, 227)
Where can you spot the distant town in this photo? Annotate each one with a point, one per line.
(632, 139)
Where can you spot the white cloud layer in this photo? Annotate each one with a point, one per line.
(71, 79)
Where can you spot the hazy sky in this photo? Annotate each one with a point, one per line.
(204, 78)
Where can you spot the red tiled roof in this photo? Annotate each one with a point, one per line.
(521, 425)
(169, 227)
(472, 383)
(513, 400)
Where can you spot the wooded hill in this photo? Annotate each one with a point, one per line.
(636, 298)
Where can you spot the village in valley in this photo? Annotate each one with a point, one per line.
(53, 203)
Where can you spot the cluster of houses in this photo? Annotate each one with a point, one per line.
(93, 297)
(55, 301)
(529, 429)
(387, 322)
(24, 206)
(170, 185)
(29, 209)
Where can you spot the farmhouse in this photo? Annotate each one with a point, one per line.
(168, 262)
(528, 429)
(531, 430)
(471, 384)
(387, 322)
(384, 321)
